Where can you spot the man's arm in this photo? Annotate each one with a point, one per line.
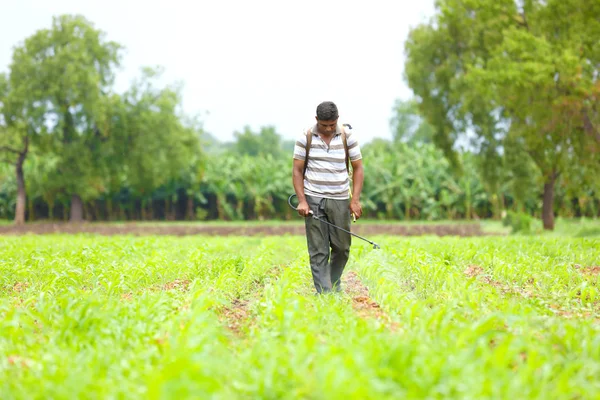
(298, 180)
(358, 176)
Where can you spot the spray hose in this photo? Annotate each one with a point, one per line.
(375, 245)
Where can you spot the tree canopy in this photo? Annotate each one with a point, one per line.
(521, 76)
(505, 116)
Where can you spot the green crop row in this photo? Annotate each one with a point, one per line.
(226, 318)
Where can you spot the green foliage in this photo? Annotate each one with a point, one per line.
(518, 77)
(59, 76)
(401, 182)
(8, 191)
(406, 182)
(13, 132)
(168, 317)
(408, 126)
(518, 222)
(477, 71)
(150, 141)
(91, 143)
(267, 141)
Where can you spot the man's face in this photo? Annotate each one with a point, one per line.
(327, 127)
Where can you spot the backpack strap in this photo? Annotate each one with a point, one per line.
(345, 141)
(308, 141)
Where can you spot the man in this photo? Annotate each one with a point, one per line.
(325, 190)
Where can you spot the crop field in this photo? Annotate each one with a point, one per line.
(161, 317)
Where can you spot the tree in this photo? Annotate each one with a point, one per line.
(266, 141)
(60, 76)
(14, 142)
(407, 125)
(154, 146)
(512, 72)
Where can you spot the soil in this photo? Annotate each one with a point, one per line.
(19, 361)
(362, 303)
(475, 270)
(135, 229)
(592, 271)
(20, 286)
(235, 316)
(177, 284)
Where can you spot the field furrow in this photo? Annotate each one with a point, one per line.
(484, 313)
(181, 317)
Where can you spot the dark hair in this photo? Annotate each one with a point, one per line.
(327, 111)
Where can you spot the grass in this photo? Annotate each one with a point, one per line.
(294, 221)
(570, 227)
(226, 318)
(583, 227)
(563, 226)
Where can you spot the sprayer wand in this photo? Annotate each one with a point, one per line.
(375, 245)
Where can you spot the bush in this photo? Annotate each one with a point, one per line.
(519, 222)
(201, 214)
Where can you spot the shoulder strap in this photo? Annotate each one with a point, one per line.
(345, 141)
(308, 141)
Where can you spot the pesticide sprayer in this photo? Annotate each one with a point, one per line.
(375, 245)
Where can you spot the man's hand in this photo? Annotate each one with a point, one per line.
(356, 208)
(303, 209)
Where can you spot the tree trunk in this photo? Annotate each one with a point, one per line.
(21, 197)
(21, 193)
(240, 209)
(87, 214)
(468, 211)
(220, 210)
(172, 209)
(96, 211)
(389, 210)
(190, 208)
(107, 208)
(31, 213)
(548, 204)
(76, 208)
(495, 207)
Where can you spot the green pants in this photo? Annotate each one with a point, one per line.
(328, 247)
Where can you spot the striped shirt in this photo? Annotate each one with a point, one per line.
(326, 174)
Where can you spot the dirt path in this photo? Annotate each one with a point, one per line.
(363, 229)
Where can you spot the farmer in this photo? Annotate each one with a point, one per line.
(324, 189)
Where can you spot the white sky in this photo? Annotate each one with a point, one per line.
(256, 63)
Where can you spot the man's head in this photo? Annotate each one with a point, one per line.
(327, 117)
